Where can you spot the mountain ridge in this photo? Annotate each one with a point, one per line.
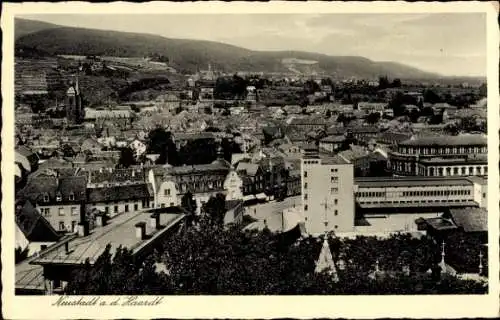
(189, 56)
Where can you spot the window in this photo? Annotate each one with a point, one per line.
(305, 174)
(43, 247)
(116, 209)
(336, 226)
(162, 205)
(73, 211)
(61, 211)
(335, 201)
(61, 226)
(136, 207)
(167, 192)
(334, 190)
(73, 226)
(171, 204)
(484, 194)
(334, 179)
(58, 197)
(45, 212)
(305, 207)
(71, 196)
(126, 208)
(336, 212)
(305, 196)
(46, 198)
(305, 185)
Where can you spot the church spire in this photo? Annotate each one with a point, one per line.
(325, 261)
(480, 262)
(442, 264)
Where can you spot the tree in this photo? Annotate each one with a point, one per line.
(383, 82)
(414, 115)
(200, 151)
(215, 261)
(373, 118)
(397, 104)
(215, 209)
(396, 83)
(342, 118)
(127, 157)
(451, 129)
(188, 202)
(117, 274)
(468, 124)
(431, 97)
(160, 142)
(229, 147)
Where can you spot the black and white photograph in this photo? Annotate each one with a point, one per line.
(255, 154)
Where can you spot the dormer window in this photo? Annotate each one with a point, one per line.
(71, 196)
(58, 197)
(46, 198)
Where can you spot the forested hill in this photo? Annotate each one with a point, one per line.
(191, 55)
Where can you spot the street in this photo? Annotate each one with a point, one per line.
(265, 210)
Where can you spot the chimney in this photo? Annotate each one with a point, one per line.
(82, 229)
(66, 247)
(140, 230)
(154, 221)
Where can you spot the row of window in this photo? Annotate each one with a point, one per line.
(431, 193)
(126, 208)
(311, 162)
(335, 212)
(46, 212)
(335, 226)
(62, 226)
(46, 197)
(447, 150)
(412, 201)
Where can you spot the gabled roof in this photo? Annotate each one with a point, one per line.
(118, 193)
(251, 169)
(333, 139)
(34, 227)
(71, 189)
(471, 219)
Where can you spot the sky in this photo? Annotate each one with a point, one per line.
(452, 44)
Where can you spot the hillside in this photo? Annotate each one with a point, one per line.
(24, 27)
(188, 56)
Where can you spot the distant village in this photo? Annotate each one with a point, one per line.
(301, 153)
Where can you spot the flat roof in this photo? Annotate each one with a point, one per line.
(120, 231)
(380, 182)
(447, 141)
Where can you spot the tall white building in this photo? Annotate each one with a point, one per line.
(327, 194)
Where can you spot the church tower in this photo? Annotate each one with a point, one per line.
(74, 109)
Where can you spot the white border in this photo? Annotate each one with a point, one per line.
(255, 306)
